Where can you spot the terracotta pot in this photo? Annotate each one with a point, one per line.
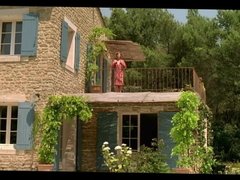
(45, 167)
(96, 89)
(183, 170)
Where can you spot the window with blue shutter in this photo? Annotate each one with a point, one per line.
(25, 126)
(106, 131)
(29, 35)
(164, 128)
(77, 52)
(64, 42)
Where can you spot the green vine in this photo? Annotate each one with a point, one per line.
(189, 134)
(96, 49)
(59, 108)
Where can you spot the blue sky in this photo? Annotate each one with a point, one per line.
(179, 14)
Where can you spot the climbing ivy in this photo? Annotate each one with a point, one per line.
(59, 108)
(96, 49)
(189, 134)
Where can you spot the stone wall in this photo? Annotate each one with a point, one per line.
(44, 73)
(21, 160)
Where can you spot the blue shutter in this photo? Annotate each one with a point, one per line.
(64, 42)
(77, 52)
(29, 35)
(164, 128)
(106, 131)
(105, 75)
(25, 126)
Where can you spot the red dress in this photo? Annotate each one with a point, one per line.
(119, 66)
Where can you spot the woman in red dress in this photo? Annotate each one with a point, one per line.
(118, 65)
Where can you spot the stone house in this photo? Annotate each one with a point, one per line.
(42, 53)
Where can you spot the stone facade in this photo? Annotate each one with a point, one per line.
(44, 74)
(89, 154)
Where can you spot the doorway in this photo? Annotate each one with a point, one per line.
(148, 128)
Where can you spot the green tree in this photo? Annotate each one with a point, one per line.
(226, 98)
(154, 29)
(195, 43)
(119, 24)
(228, 60)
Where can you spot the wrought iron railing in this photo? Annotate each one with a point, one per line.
(163, 80)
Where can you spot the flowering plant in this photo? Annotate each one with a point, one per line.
(118, 161)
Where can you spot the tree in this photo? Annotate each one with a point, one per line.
(154, 29)
(226, 102)
(119, 24)
(196, 45)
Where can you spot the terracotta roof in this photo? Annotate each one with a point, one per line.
(137, 97)
(130, 51)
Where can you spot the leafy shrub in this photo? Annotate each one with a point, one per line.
(118, 161)
(150, 159)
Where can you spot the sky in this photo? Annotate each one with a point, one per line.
(179, 14)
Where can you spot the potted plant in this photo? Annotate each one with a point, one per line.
(58, 108)
(45, 156)
(96, 87)
(96, 49)
(43, 165)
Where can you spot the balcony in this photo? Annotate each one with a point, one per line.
(163, 80)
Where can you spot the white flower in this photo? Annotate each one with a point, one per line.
(129, 152)
(106, 149)
(124, 145)
(105, 143)
(118, 148)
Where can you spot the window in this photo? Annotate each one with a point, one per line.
(70, 45)
(11, 34)
(8, 124)
(18, 34)
(16, 124)
(138, 129)
(130, 130)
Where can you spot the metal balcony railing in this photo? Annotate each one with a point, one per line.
(163, 80)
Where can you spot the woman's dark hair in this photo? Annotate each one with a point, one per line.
(118, 53)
